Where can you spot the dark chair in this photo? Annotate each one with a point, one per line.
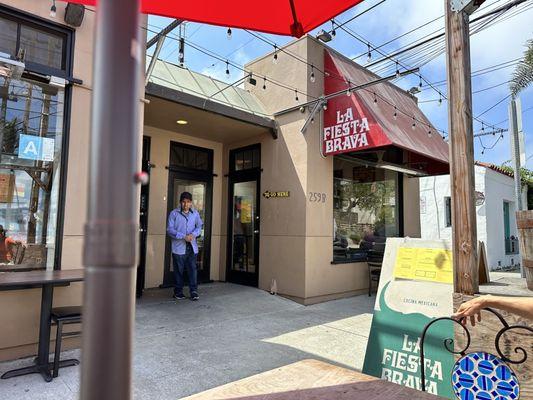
(63, 316)
(374, 259)
(472, 375)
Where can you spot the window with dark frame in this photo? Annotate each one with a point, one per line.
(448, 211)
(247, 158)
(32, 121)
(44, 48)
(366, 210)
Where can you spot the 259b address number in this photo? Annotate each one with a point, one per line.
(315, 197)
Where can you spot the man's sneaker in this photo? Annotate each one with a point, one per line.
(194, 296)
(178, 297)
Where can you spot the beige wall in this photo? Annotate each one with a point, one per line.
(296, 234)
(21, 308)
(157, 213)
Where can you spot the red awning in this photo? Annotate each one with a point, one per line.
(282, 17)
(380, 116)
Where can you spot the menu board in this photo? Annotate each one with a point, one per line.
(416, 286)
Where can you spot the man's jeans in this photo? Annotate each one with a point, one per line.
(184, 262)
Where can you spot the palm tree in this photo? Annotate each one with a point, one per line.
(523, 74)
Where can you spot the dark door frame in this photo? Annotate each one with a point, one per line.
(205, 176)
(253, 174)
(143, 217)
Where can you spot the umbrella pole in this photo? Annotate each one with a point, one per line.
(111, 228)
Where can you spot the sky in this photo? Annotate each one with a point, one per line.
(498, 43)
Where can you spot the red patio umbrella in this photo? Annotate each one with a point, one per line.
(282, 17)
(111, 229)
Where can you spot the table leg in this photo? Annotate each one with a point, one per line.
(44, 370)
(44, 331)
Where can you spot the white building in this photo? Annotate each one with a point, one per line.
(495, 212)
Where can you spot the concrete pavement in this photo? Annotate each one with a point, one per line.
(233, 332)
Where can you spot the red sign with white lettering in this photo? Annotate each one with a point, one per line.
(348, 124)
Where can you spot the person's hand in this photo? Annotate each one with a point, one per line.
(189, 238)
(472, 309)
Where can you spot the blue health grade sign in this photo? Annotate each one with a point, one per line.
(36, 148)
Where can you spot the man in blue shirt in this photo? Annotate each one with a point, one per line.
(184, 226)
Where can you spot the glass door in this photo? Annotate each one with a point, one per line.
(245, 227)
(243, 217)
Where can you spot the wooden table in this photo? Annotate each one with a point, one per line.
(311, 380)
(46, 280)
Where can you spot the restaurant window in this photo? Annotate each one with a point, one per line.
(365, 209)
(448, 211)
(31, 139)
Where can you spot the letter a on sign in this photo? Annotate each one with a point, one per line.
(31, 150)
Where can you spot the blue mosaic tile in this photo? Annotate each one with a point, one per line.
(483, 376)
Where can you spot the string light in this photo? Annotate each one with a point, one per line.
(229, 33)
(440, 99)
(296, 94)
(275, 59)
(264, 83)
(348, 92)
(325, 106)
(429, 133)
(227, 67)
(482, 126)
(397, 70)
(333, 33)
(312, 77)
(181, 54)
(414, 124)
(53, 9)
(375, 98)
(395, 115)
(420, 84)
(369, 53)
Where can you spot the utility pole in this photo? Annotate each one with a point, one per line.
(461, 145)
(515, 128)
(517, 148)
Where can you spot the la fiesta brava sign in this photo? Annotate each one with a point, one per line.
(348, 133)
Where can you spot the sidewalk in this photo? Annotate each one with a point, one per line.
(231, 333)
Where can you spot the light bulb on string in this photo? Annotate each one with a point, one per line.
(181, 53)
(375, 98)
(369, 58)
(482, 126)
(264, 83)
(397, 70)
(229, 34)
(395, 115)
(420, 84)
(53, 9)
(348, 92)
(429, 133)
(296, 94)
(275, 58)
(440, 99)
(482, 151)
(333, 33)
(227, 68)
(312, 77)
(414, 124)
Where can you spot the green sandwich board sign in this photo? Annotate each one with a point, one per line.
(416, 286)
